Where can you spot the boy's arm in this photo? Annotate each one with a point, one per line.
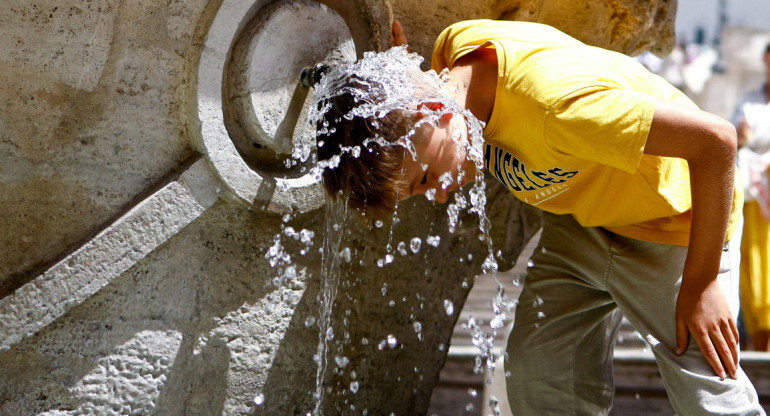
(708, 143)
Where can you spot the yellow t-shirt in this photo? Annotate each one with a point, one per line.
(569, 126)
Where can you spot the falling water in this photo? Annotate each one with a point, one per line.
(331, 255)
(405, 87)
(395, 79)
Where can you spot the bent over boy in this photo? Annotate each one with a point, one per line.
(637, 188)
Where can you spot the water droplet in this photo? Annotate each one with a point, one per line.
(430, 194)
(342, 362)
(310, 321)
(540, 315)
(497, 322)
(384, 289)
(469, 407)
(306, 237)
(392, 341)
(392, 303)
(537, 302)
(354, 387)
(402, 248)
(345, 254)
(449, 307)
(364, 341)
(260, 399)
(494, 404)
(417, 327)
(378, 224)
(445, 180)
(530, 263)
(415, 244)
(490, 265)
(433, 240)
(329, 334)
(472, 392)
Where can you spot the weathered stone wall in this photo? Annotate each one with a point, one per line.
(90, 100)
(133, 275)
(627, 26)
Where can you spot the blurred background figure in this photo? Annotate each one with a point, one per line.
(752, 120)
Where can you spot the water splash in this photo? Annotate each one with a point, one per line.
(406, 89)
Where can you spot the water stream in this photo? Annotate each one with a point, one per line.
(405, 87)
(331, 256)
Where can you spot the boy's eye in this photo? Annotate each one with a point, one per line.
(424, 179)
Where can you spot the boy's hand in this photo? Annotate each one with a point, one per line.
(399, 38)
(708, 144)
(704, 313)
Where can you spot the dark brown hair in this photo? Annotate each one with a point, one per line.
(370, 181)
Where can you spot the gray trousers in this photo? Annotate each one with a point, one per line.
(559, 354)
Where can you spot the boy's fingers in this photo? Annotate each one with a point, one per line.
(707, 348)
(399, 38)
(725, 353)
(730, 331)
(682, 335)
(737, 341)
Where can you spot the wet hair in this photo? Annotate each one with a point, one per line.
(368, 172)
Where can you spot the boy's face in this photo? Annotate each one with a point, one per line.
(439, 160)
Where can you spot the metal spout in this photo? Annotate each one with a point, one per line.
(312, 75)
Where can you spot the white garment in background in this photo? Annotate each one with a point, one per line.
(754, 156)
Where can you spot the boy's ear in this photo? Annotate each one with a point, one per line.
(432, 106)
(445, 117)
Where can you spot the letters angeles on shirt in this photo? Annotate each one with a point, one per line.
(529, 185)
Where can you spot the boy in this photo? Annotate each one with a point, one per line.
(636, 185)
